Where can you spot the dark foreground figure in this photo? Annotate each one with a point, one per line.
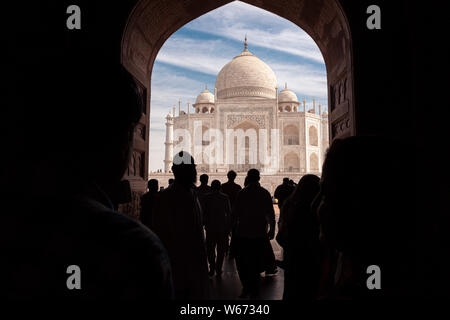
(367, 219)
(298, 234)
(252, 214)
(217, 220)
(65, 219)
(148, 201)
(177, 220)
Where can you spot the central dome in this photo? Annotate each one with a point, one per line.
(246, 76)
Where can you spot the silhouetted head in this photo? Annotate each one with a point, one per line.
(253, 176)
(81, 120)
(231, 175)
(306, 189)
(215, 185)
(246, 181)
(152, 185)
(204, 179)
(171, 180)
(183, 168)
(285, 180)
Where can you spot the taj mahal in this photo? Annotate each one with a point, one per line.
(248, 123)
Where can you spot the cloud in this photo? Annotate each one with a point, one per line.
(168, 87)
(194, 54)
(263, 29)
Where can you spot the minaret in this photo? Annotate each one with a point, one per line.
(320, 110)
(314, 105)
(276, 95)
(179, 107)
(304, 105)
(169, 143)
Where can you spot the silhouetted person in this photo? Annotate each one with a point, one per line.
(148, 201)
(203, 189)
(171, 180)
(366, 219)
(252, 214)
(283, 191)
(230, 188)
(217, 219)
(177, 220)
(292, 183)
(119, 193)
(66, 219)
(298, 234)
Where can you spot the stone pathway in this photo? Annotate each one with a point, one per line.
(228, 287)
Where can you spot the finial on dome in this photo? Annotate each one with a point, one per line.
(245, 43)
(206, 87)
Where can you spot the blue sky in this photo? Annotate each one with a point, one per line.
(192, 57)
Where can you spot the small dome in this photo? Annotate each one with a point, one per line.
(205, 97)
(287, 95)
(325, 114)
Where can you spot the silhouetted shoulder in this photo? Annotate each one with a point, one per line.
(224, 196)
(113, 244)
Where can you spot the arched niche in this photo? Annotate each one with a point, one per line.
(313, 136)
(313, 162)
(291, 162)
(291, 135)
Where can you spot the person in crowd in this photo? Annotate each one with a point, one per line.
(254, 220)
(292, 183)
(171, 180)
(283, 191)
(63, 239)
(230, 188)
(203, 188)
(177, 220)
(364, 221)
(217, 220)
(298, 234)
(147, 202)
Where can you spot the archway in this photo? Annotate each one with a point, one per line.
(291, 135)
(291, 162)
(313, 162)
(313, 136)
(245, 152)
(151, 23)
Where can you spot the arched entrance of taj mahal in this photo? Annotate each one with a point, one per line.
(152, 22)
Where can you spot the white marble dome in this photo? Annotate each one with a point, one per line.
(205, 97)
(246, 76)
(287, 95)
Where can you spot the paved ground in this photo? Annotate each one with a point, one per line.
(229, 287)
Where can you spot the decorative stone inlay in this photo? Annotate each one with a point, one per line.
(247, 92)
(340, 126)
(235, 119)
(338, 93)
